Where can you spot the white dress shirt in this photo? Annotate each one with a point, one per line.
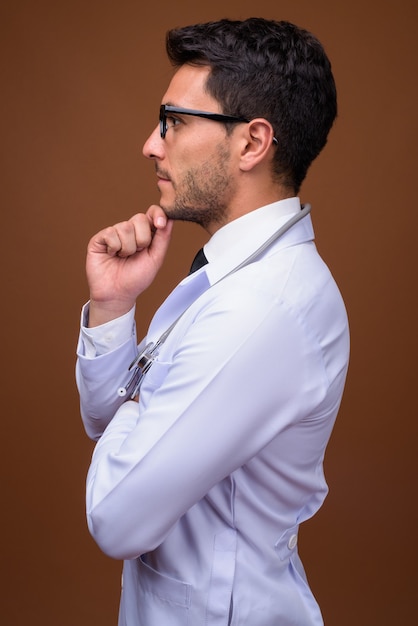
(201, 487)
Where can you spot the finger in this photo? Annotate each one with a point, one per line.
(161, 242)
(106, 241)
(157, 217)
(134, 235)
(163, 228)
(153, 230)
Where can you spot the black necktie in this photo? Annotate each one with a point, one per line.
(199, 261)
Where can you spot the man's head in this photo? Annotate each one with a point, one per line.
(274, 70)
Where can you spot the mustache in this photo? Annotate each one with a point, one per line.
(162, 173)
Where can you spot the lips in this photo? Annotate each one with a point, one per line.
(163, 176)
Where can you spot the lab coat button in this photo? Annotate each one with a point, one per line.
(293, 539)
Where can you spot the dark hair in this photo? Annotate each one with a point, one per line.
(269, 69)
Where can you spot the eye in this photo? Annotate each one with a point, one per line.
(172, 121)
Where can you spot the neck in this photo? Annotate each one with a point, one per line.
(249, 200)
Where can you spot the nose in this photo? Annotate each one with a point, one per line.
(154, 145)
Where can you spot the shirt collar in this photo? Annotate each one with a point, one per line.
(237, 240)
(260, 223)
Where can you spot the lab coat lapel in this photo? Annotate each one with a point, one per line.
(195, 284)
(177, 302)
(300, 232)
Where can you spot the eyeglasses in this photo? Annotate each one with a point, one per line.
(216, 117)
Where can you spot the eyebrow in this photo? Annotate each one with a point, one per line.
(181, 106)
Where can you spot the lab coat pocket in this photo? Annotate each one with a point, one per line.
(155, 377)
(162, 599)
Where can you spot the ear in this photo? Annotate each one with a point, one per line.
(258, 143)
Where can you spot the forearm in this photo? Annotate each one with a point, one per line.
(98, 382)
(104, 355)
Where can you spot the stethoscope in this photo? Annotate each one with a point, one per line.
(142, 363)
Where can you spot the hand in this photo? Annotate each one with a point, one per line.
(123, 260)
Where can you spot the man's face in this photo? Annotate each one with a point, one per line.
(193, 161)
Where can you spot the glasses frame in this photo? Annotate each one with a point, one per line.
(215, 117)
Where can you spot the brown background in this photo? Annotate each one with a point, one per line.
(81, 84)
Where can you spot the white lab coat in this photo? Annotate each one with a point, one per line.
(201, 488)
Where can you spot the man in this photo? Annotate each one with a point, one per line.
(201, 482)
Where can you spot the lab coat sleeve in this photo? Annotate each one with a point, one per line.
(234, 383)
(99, 377)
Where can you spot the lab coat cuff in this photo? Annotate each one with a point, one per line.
(107, 337)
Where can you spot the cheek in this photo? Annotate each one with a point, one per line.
(192, 157)
(203, 154)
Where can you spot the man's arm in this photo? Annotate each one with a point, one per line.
(122, 261)
(231, 389)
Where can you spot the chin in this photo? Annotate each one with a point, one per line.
(168, 209)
